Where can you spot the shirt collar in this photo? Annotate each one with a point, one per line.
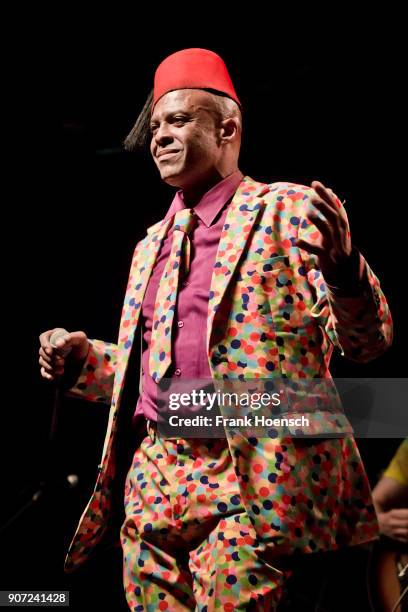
(212, 201)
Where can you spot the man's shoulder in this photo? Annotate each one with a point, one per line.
(282, 191)
(286, 189)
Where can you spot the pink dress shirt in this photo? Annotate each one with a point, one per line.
(189, 356)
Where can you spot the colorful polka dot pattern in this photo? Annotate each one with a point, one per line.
(269, 303)
(270, 314)
(188, 543)
(165, 305)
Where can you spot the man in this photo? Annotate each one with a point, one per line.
(390, 560)
(240, 281)
(391, 496)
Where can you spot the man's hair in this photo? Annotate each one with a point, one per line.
(140, 135)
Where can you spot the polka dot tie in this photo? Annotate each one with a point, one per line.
(165, 305)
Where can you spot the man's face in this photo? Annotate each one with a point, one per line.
(184, 142)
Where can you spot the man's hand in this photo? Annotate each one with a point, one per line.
(394, 524)
(333, 247)
(51, 359)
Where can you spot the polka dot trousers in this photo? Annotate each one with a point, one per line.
(187, 541)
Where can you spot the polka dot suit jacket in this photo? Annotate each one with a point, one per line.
(270, 314)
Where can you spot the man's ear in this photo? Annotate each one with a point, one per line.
(228, 129)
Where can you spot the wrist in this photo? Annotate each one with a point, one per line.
(80, 353)
(345, 279)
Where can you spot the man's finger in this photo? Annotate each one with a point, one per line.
(71, 339)
(326, 210)
(400, 513)
(45, 365)
(399, 523)
(324, 193)
(314, 249)
(400, 532)
(45, 343)
(42, 352)
(323, 226)
(45, 374)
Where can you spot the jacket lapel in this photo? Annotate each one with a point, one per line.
(242, 214)
(142, 264)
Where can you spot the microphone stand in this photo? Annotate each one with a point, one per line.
(51, 482)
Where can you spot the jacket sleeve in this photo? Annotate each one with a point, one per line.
(355, 317)
(95, 380)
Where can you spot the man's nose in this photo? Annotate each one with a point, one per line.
(163, 135)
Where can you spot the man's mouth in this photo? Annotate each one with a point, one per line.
(167, 154)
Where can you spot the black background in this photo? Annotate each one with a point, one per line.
(321, 101)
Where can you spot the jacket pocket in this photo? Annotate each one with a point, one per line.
(260, 266)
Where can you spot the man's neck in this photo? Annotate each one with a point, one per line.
(192, 195)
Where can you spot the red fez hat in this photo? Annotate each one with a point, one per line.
(193, 69)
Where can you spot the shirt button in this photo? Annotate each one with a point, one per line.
(177, 372)
(180, 323)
